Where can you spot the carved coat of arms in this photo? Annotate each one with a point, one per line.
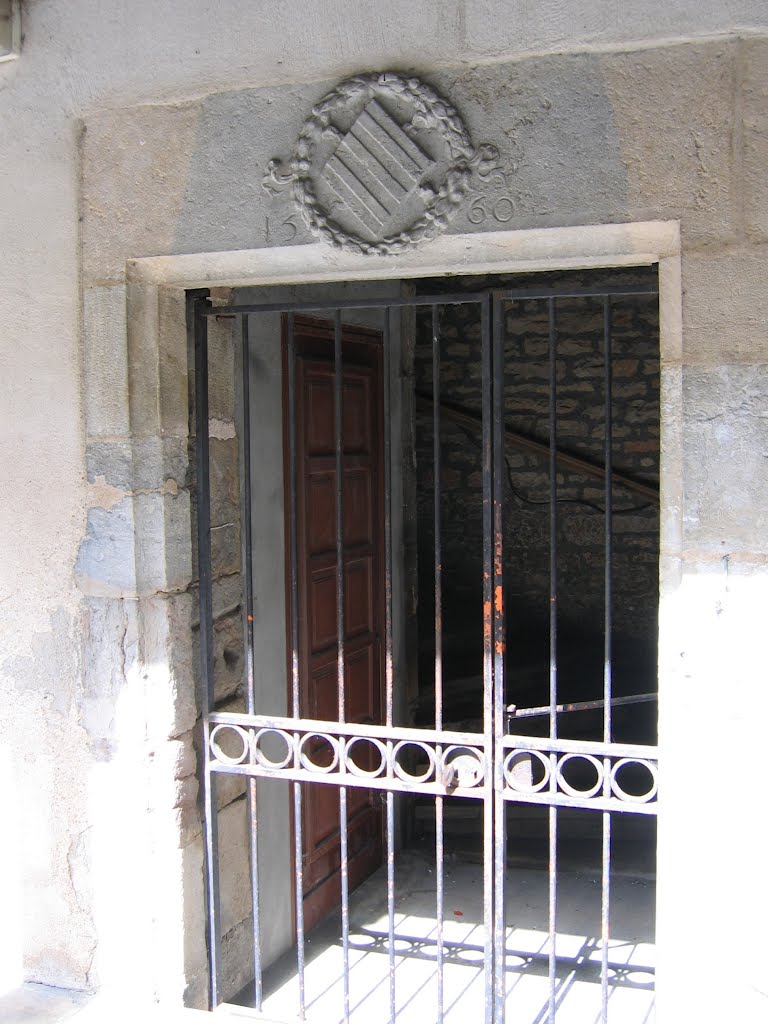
(381, 164)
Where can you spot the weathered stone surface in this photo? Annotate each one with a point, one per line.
(225, 548)
(726, 458)
(181, 975)
(559, 145)
(195, 992)
(106, 560)
(175, 362)
(185, 816)
(725, 309)
(227, 595)
(755, 128)
(673, 112)
(144, 464)
(137, 545)
(221, 377)
(224, 482)
(105, 361)
(583, 139)
(234, 865)
(496, 26)
(150, 153)
(228, 658)
(163, 552)
(169, 666)
(191, 183)
(237, 958)
(112, 650)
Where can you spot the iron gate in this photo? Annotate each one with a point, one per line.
(495, 766)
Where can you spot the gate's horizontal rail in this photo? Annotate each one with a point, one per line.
(349, 781)
(424, 761)
(598, 748)
(440, 299)
(319, 725)
(597, 803)
(434, 762)
(604, 765)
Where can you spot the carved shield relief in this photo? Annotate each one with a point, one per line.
(381, 164)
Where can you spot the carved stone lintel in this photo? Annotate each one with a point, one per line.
(381, 164)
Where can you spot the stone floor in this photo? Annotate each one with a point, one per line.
(631, 955)
(40, 1004)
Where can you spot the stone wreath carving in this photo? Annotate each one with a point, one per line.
(381, 164)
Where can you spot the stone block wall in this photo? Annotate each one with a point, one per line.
(236, 915)
(580, 424)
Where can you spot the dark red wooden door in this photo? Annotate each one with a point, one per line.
(363, 583)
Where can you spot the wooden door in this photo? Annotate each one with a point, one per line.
(363, 580)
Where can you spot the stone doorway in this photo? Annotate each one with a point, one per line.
(570, 386)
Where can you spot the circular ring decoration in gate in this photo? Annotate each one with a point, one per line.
(574, 758)
(638, 798)
(466, 765)
(414, 746)
(326, 739)
(517, 781)
(262, 754)
(219, 734)
(373, 744)
(381, 164)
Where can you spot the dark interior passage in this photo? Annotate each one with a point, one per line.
(579, 407)
(580, 499)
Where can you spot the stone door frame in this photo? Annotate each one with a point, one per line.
(137, 561)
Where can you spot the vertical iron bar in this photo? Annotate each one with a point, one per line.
(293, 517)
(247, 568)
(388, 653)
(245, 512)
(439, 900)
(552, 652)
(298, 855)
(202, 457)
(488, 719)
(438, 649)
(391, 901)
(436, 492)
(298, 848)
(608, 659)
(338, 388)
(344, 893)
(500, 830)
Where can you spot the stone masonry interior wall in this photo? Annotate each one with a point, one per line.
(580, 424)
(236, 918)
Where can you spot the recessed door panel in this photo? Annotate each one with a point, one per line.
(317, 572)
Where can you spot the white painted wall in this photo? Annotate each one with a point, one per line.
(79, 56)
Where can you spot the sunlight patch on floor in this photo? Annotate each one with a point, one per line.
(631, 952)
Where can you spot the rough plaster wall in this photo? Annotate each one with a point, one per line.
(84, 56)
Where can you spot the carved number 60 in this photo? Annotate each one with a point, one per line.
(502, 210)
